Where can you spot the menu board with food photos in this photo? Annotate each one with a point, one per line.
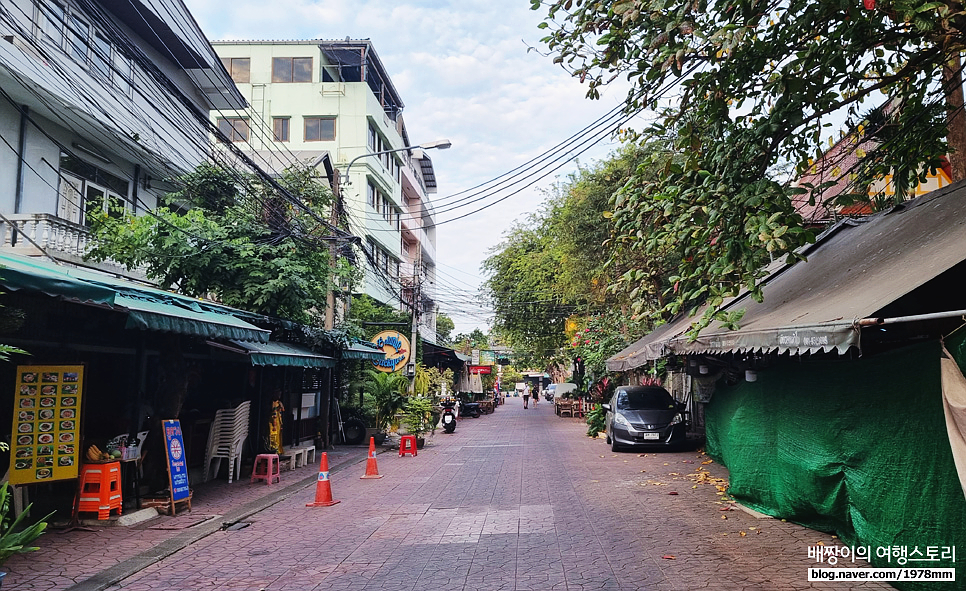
(46, 423)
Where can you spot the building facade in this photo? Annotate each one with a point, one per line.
(99, 104)
(312, 98)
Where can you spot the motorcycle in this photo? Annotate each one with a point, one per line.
(449, 416)
(470, 409)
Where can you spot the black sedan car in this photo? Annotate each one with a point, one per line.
(644, 416)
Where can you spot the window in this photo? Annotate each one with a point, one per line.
(122, 73)
(373, 139)
(280, 127)
(77, 34)
(319, 129)
(101, 56)
(238, 67)
(50, 22)
(86, 190)
(371, 194)
(291, 69)
(234, 128)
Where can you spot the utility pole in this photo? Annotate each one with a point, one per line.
(417, 283)
(334, 217)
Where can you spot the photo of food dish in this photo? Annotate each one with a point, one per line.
(68, 401)
(67, 425)
(28, 377)
(45, 450)
(69, 389)
(26, 403)
(48, 390)
(25, 415)
(68, 413)
(25, 439)
(47, 461)
(46, 414)
(25, 452)
(45, 427)
(50, 376)
(65, 461)
(70, 376)
(44, 473)
(47, 438)
(28, 390)
(25, 427)
(65, 449)
(23, 464)
(64, 438)
(49, 401)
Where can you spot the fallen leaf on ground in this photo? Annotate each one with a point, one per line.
(672, 493)
(669, 557)
(724, 517)
(742, 534)
(726, 509)
(708, 462)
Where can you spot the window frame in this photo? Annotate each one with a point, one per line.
(232, 121)
(285, 124)
(281, 76)
(229, 64)
(319, 120)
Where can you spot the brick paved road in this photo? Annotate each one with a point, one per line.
(519, 499)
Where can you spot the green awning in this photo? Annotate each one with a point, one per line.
(147, 308)
(284, 354)
(363, 350)
(147, 314)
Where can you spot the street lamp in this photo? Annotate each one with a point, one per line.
(438, 145)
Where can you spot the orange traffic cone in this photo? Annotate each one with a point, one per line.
(323, 490)
(372, 471)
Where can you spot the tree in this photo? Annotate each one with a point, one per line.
(746, 90)
(388, 390)
(234, 239)
(444, 327)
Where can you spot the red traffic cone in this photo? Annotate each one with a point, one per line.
(372, 471)
(323, 490)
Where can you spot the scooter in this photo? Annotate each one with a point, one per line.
(470, 409)
(449, 416)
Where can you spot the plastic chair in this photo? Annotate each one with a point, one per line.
(407, 445)
(100, 489)
(267, 467)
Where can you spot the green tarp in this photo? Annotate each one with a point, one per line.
(855, 447)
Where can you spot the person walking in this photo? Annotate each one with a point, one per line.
(526, 395)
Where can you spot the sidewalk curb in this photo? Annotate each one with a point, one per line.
(117, 573)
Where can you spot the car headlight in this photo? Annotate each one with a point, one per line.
(620, 420)
(677, 419)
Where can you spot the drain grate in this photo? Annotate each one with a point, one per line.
(235, 525)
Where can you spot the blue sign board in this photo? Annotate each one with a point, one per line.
(177, 462)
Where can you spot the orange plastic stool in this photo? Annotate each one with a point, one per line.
(266, 468)
(100, 489)
(407, 445)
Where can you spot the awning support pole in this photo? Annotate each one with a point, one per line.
(914, 318)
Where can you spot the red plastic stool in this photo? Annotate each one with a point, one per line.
(267, 468)
(407, 445)
(100, 489)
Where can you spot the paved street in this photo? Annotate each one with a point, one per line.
(519, 499)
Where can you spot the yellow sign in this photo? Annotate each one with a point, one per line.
(395, 346)
(46, 426)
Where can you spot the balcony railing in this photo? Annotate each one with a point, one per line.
(57, 237)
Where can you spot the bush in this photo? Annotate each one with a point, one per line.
(596, 421)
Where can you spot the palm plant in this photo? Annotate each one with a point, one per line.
(388, 391)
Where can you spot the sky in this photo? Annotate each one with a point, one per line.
(465, 73)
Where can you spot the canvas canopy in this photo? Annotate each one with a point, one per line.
(284, 354)
(853, 270)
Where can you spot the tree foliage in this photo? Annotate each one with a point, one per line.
(444, 328)
(235, 240)
(744, 88)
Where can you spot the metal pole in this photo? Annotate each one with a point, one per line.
(914, 318)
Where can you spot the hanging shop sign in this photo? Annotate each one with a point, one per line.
(480, 369)
(395, 348)
(487, 357)
(46, 425)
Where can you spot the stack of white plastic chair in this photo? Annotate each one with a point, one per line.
(225, 440)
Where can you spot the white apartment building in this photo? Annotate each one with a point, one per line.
(99, 103)
(312, 99)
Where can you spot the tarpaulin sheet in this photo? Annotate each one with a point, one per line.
(855, 447)
(954, 408)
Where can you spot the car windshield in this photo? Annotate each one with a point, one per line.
(644, 400)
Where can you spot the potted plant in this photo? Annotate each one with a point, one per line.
(418, 418)
(13, 541)
(387, 391)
